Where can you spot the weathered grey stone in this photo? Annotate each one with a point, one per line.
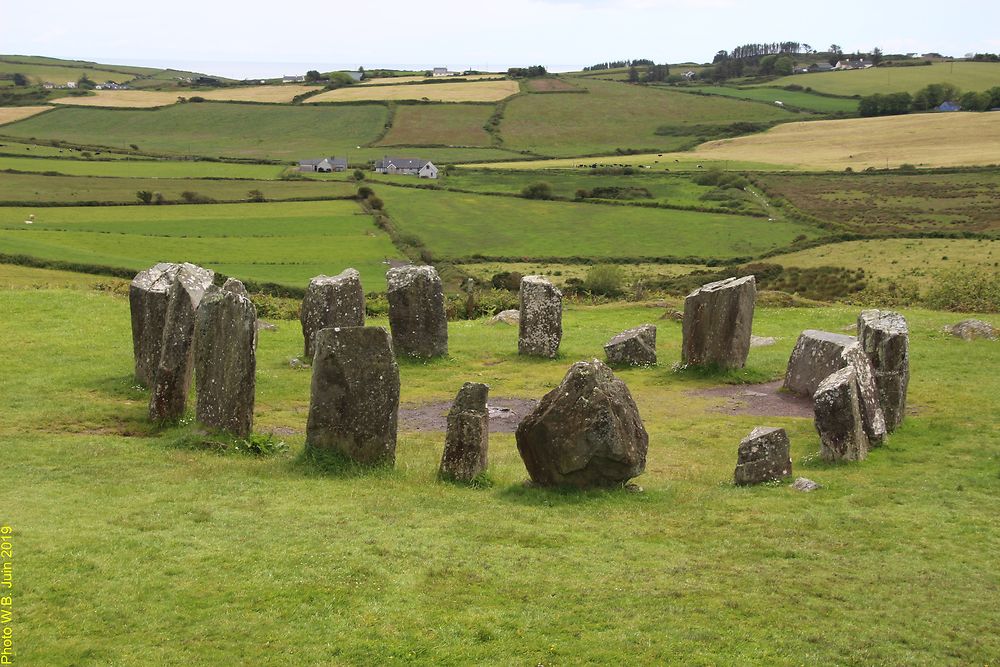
(633, 347)
(506, 317)
(762, 341)
(225, 359)
(236, 287)
(871, 412)
(838, 417)
(172, 380)
(332, 301)
(584, 433)
(973, 329)
(816, 354)
(540, 324)
(804, 484)
(354, 401)
(763, 456)
(885, 338)
(148, 295)
(417, 314)
(717, 322)
(467, 441)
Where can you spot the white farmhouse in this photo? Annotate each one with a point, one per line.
(408, 166)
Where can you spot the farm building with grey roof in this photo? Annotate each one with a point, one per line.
(406, 165)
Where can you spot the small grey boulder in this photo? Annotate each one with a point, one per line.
(763, 456)
(467, 440)
(633, 347)
(816, 354)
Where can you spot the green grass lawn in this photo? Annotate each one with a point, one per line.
(10, 148)
(179, 556)
(800, 99)
(455, 225)
(60, 74)
(144, 168)
(284, 243)
(966, 75)
(614, 115)
(441, 124)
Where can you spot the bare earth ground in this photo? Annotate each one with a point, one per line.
(505, 413)
(764, 400)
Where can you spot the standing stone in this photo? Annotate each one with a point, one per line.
(763, 456)
(633, 347)
(816, 354)
(332, 301)
(236, 287)
(354, 401)
(148, 295)
(225, 359)
(467, 441)
(584, 433)
(540, 324)
(417, 314)
(172, 381)
(838, 418)
(885, 338)
(871, 412)
(717, 322)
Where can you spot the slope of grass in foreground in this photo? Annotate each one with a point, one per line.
(967, 76)
(178, 556)
(454, 225)
(284, 243)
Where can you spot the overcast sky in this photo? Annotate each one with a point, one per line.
(245, 37)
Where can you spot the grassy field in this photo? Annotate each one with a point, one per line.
(550, 85)
(181, 556)
(473, 91)
(18, 148)
(663, 162)
(443, 124)
(966, 75)
(285, 243)
(560, 273)
(456, 225)
(125, 99)
(613, 116)
(895, 203)
(13, 114)
(13, 276)
(59, 74)
(396, 80)
(151, 98)
(144, 168)
(42, 188)
(800, 99)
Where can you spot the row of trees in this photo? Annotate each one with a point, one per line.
(527, 72)
(755, 51)
(653, 74)
(927, 98)
(618, 64)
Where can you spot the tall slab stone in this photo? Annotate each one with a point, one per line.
(885, 337)
(872, 416)
(466, 443)
(586, 432)
(332, 301)
(172, 380)
(354, 399)
(540, 324)
(816, 355)
(148, 296)
(763, 456)
(417, 313)
(633, 347)
(225, 359)
(717, 321)
(838, 417)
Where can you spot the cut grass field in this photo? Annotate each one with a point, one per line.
(454, 225)
(967, 76)
(9, 148)
(396, 80)
(144, 168)
(139, 99)
(614, 115)
(182, 556)
(800, 99)
(473, 91)
(550, 85)
(12, 114)
(441, 124)
(283, 243)
(662, 162)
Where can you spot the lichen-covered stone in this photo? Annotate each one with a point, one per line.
(354, 400)
(816, 354)
(717, 321)
(973, 329)
(633, 347)
(332, 301)
(172, 380)
(148, 295)
(506, 317)
(585, 433)
(885, 338)
(467, 440)
(225, 359)
(838, 417)
(871, 412)
(417, 314)
(763, 456)
(540, 324)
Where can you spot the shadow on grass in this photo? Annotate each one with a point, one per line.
(528, 493)
(122, 386)
(717, 375)
(322, 463)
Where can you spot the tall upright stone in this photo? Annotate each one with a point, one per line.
(172, 380)
(467, 441)
(354, 400)
(332, 301)
(417, 313)
(839, 421)
(816, 354)
(586, 432)
(540, 324)
(718, 318)
(148, 296)
(872, 416)
(226, 360)
(885, 338)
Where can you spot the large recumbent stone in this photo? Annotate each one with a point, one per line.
(815, 356)
(332, 301)
(718, 318)
(417, 314)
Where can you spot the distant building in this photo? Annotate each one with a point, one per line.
(853, 64)
(949, 106)
(689, 75)
(441, 71)
(293, 79)
(324, 164)
(48, 85)
(820, 67)
(408, 166)
(71, 84)
(356, 76)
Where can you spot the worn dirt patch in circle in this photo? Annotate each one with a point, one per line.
(765, 400)
(505, 414)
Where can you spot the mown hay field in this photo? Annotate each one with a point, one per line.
(549, 85)
(968, 76)
(139, 99)
(442, 124)
(13, 114)
(473, 91)
(395, 80)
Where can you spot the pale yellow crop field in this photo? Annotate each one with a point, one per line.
(473, 91)
(144, 99)
(277, 94)
(11, 114)
(392, 80)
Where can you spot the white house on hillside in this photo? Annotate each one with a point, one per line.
(408, 166)
(324, 165)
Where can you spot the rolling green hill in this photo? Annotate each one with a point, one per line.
(966, 75)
